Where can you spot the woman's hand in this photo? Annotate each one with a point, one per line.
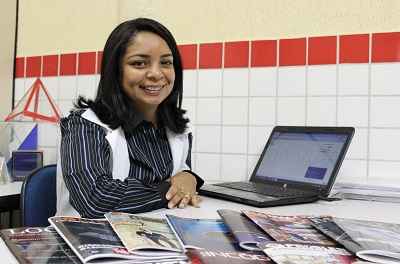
(183, 191)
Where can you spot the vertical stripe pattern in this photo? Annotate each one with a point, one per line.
(85, 161)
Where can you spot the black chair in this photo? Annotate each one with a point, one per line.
(38, 196)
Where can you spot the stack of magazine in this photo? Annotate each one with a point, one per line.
(80, 240)
(377, 242)
(235, 238)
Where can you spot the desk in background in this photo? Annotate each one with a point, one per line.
(9, 198)
(375, 211)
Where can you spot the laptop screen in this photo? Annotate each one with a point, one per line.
(304, 157)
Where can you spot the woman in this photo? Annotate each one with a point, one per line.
(129, 149)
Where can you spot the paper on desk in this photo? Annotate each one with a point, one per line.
(366, 192)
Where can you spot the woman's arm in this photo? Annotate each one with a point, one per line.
(85, 159)
(185, 184)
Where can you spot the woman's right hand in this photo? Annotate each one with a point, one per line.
(183, 191)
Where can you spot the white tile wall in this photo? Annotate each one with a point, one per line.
(353, 111)
(263, 81)
(234, 167)
(291, 111)
(210, 83)
(384, 173)
(262, 111)
(322, 80)
(385, 78)
(67, 87)
(353, 79)
(359, 145)
(51, 84)
(292, 81)
(208, 138)
(209, 111)
(385, 144)
(382, 110)
(189, 104)
(233, 111)
(235, 82)
(234, 139)
(208, 166)
(251, 164)
(258, 136)
(353, 171)
(19, 89)
(190, 83)
(86, 86)
(321, 111)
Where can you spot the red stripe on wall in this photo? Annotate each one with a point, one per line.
(50, 65)
(386, 47)
(210, 55)
(322, 50)
(189, 56)
(68, 64)
(292, 52)
(87, 63)
(354, 48)
(20, 67)
(33, 66)
(263, 53)
(236, 54)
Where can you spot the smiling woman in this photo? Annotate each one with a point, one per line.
(147, 73)
(129, 149)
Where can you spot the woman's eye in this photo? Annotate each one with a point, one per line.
(167, 62)
(138, 64)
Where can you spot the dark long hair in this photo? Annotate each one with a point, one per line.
(112, 105)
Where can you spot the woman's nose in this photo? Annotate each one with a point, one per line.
(154, 72)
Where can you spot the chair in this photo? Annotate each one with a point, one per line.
(38, 196)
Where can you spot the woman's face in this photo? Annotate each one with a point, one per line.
(147, 71)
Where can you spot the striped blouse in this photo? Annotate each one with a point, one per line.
(85, 155)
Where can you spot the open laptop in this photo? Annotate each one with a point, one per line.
(297, 165)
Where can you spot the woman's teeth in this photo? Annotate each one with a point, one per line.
(152, 88)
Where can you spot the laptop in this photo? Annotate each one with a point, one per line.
(297, 165)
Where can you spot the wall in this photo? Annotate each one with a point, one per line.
(7, 48)
(249, 65)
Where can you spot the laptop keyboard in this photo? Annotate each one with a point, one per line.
(269, 190)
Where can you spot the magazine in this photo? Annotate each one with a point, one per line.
(372, 241)
(295, 253)
(37, 245)
(210, 241)
(294, 229)
(139, 232)
(94, 239)
(245, 232)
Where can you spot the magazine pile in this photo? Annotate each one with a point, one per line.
(377, 242)
(79, 240)
(237, 237)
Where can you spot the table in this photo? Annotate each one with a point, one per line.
(9, 197)
(375, 211)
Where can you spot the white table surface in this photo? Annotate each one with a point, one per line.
(10, 188)
(386, 212)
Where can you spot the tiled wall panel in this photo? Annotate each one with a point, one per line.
(235, 92)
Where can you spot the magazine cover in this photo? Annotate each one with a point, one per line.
(37, 245)
(296, 229)
(245, 232)
(139, 232)
(210, 241)
(294, 253)
(379, 242)
(332, 230)
(94, 239)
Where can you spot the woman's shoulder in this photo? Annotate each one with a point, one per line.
(77, 119)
